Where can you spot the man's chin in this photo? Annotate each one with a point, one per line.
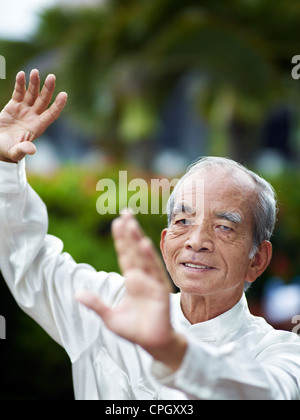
(199, 286)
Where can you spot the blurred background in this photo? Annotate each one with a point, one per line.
(152, 85)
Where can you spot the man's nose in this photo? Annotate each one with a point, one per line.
(200, 239)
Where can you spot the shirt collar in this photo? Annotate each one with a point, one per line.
(215, 328)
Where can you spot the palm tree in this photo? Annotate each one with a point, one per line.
(120, 60)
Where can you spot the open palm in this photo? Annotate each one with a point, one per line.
(27, 116)
(143, 316)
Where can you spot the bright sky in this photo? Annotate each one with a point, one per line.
(18, 18)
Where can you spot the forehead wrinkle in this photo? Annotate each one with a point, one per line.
(241, 186)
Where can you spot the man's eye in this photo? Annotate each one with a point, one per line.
(181, 222)
(225, 228)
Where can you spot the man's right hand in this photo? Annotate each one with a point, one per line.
(27, 116)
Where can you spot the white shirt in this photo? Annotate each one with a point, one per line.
(233, 356)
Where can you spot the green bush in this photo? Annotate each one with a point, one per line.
(71, 198)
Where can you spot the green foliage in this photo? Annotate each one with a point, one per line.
(286, 239)
(287, 235)
(120, 60)
(71, 198)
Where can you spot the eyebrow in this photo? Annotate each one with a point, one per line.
(232, 217)
(182, 208)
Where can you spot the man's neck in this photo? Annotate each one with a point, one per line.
(198, 309)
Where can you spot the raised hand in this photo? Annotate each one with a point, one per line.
(27, 116)
(143, 317)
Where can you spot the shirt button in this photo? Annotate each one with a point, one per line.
(155, 396)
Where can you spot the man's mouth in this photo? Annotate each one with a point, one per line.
(197, 266)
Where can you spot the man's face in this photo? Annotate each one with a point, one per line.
(206, 248)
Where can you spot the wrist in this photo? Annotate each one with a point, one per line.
(7, 160)
(4, 159)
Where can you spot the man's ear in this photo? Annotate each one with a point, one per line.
(162, 243)
(260, 262)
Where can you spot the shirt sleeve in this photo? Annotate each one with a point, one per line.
(42, 278)
(231, 373)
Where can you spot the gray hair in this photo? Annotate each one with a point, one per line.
(265, 208)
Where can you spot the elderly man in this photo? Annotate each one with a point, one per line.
(137, 340)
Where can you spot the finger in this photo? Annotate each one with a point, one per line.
(51, 114)
(120, 243)
(155, 263)
(135, 250)
(94, 303)
(120, 233)
(33, 88)
(22, 149)
(20, 87)
(143, 253)
(126, 233)
(44, 98)
(127, 227)
(127, 236)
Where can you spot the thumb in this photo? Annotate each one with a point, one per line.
(20, 150)
(92, 302)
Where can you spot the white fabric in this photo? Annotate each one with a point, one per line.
(234, 356)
